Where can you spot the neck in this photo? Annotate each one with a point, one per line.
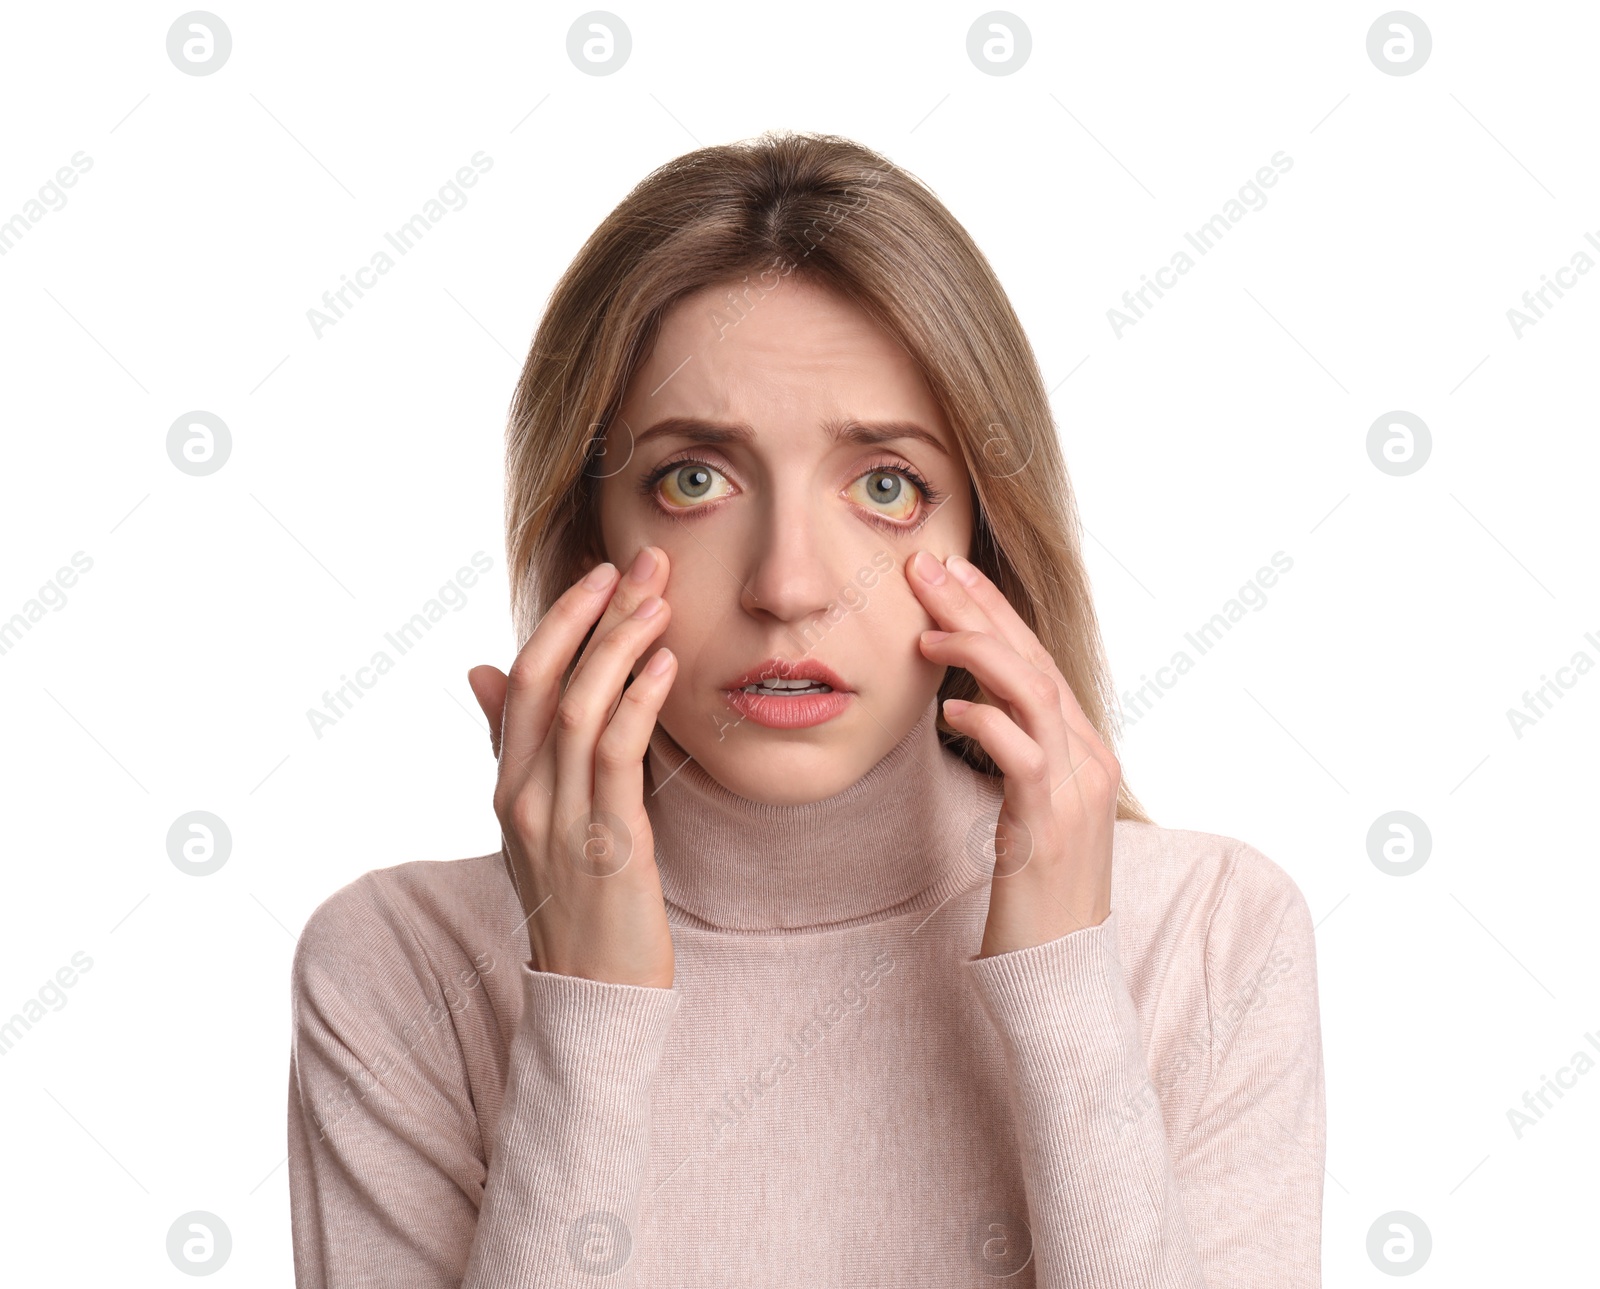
(914, 830)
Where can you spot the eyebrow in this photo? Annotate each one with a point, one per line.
(862, 433)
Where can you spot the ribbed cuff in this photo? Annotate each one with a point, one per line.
(1056, 1004)
(1102, 1201)
(583, 1061)
(593, 1038)
(573, 1141)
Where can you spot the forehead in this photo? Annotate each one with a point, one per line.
(788, 357)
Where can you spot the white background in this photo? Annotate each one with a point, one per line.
(1228, 424)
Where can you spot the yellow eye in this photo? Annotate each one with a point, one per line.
(690, 483)
(889, 492)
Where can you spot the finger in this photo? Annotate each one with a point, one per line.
(1021, 637)
(945, 599)
(619, 755)
(1020, 758)
(586, 706)
(948, 602)
(488, 685)
(999, 611)
(1031, 695)
(992, 600)
(533, 683)
(646, 576)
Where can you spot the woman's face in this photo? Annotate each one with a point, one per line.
(788, 535)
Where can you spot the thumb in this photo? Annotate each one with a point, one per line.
(488, 686)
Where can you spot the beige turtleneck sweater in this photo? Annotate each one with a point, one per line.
(835, 1090)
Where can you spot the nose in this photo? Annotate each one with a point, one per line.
(790, 574)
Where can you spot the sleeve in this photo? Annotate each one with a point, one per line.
(389, 1181)
(1252, 1163)
(1236, 1202)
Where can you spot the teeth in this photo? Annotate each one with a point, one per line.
(788, 687)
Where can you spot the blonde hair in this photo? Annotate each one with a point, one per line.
(842, 216)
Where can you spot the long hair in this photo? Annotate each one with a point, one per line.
(842, 216)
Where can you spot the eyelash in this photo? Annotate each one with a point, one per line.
(931, 496)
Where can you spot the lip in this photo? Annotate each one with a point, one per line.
(780, 669)
(796, 711)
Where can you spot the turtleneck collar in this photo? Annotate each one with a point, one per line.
(914, 830)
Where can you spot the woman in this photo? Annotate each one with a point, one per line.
(825, 944)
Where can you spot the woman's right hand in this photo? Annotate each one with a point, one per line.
(570, 794)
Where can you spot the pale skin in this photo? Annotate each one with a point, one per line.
(740, 551)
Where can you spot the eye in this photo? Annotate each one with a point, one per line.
(684, 484)
(893, 493)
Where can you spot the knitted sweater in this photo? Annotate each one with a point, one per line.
(835, 1090)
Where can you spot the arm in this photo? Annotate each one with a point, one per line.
(1236, 1202)
(392, 1182)
(1252, 1163)
(1103, 1202)
(389, 1183)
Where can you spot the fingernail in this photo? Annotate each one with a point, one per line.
(644, 564)
(932, 637)
(599, 575)
(929, 568)
(660, 662)
(649, 608)
(964, 570)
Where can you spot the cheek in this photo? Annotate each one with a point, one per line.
(879, 623)
(701, 592)
(624, 515)
(892, 609)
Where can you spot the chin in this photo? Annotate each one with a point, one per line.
(776, 780)
(781, 766)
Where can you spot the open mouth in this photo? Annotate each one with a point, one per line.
(787, 688)
(789, 694)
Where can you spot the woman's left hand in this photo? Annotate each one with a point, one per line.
(1054, 834)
